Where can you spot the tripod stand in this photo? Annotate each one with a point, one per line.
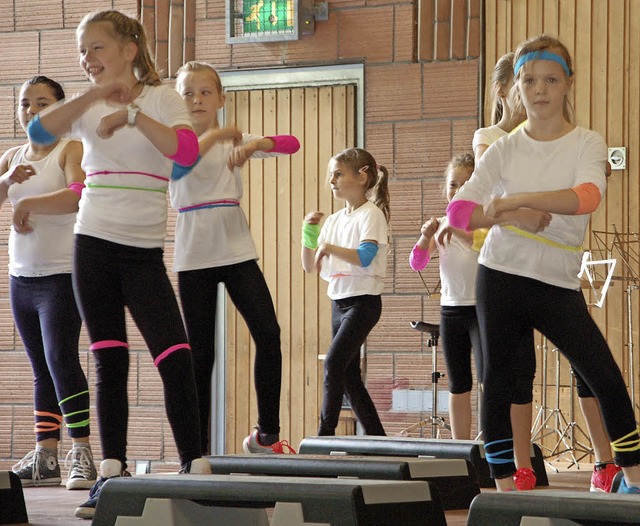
(552, 422)
(433, 331)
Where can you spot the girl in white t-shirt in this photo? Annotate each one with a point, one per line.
(214, 245)
(43, 184)
(350, 252)
(527, 279)
(132, 128)
(458, 262)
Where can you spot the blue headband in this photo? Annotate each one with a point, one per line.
(541, 55)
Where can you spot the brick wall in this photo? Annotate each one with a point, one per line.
(421, 104)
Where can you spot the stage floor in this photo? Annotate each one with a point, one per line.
(55, 506)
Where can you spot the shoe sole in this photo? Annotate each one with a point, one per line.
(80, 484)
(85, 513)
(28, 483)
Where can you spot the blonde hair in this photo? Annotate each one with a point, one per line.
(462, 160)
(196, 66)
(502, 74)
(128, 29)
(546, 42)
(360, 160)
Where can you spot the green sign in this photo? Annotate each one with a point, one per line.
(268, 16)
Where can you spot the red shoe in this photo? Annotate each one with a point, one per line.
(601, 479)
(525, 479)
(252, 445)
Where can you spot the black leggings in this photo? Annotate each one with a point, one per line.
(48, 321)
(351, 321)
(107, 278)
(510, 306)
(248, 290)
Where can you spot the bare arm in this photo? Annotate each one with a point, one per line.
(308, 255)
(564, 201)
(216, 135)
(63, 201)
(241, 153)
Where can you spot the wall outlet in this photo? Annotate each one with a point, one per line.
(618, 157)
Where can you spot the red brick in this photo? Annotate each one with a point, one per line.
(379, 142)
(426, 30)
(353, 34)
(393, 92)
(443, 40)
(59, 56)
(36, 14)
(459, 29)
(408, 195)
(392, 333)
(212, 49)
(463, 135)
(474, 38)
(404, 33)
(216, 9)
(18, 48)
(451, 89)
(321, 46)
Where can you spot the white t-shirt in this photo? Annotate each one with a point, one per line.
(48, 249)
(487, 136)
(517, 163)
(458, 269)
(127, 176)
(216, 236)
(348, 230)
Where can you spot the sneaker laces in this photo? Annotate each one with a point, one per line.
(80, 464)
(31, 459)
(279, 447)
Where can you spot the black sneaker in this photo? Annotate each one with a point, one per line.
(197, 466)
(109, 468)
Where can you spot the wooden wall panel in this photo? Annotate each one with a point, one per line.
(602, 37)
(277, 194)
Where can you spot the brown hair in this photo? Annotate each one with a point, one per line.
(195, 66)
(462, 160)
(552, 44)
(502, 74)
(128, 29)
(377, 176)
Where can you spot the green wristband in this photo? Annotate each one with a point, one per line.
(310, 235)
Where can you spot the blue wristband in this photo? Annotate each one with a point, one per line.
(366, 252)
(37, 133)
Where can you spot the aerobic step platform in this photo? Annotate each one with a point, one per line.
(338, 502)
(471, 450)
(453, 481)
(561, 508)
(12, 508)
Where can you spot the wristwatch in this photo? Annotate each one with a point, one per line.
(132, 113)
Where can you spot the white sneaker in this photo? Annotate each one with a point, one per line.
(82, 471)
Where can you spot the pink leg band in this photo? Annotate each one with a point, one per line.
(459, 213)
(188, 148)
(419, 258)
(107, 344)
(284, 144)
(170, 350)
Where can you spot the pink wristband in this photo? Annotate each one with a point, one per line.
(459, 213)
(188, 148)
(419, 258)
(76, 187)
(284, 144)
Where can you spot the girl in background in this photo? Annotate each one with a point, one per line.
(214, 245)
(458, 322)
(43, 184)
(350, 252)
(132, 128)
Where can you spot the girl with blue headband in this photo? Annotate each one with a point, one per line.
(538, 216)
